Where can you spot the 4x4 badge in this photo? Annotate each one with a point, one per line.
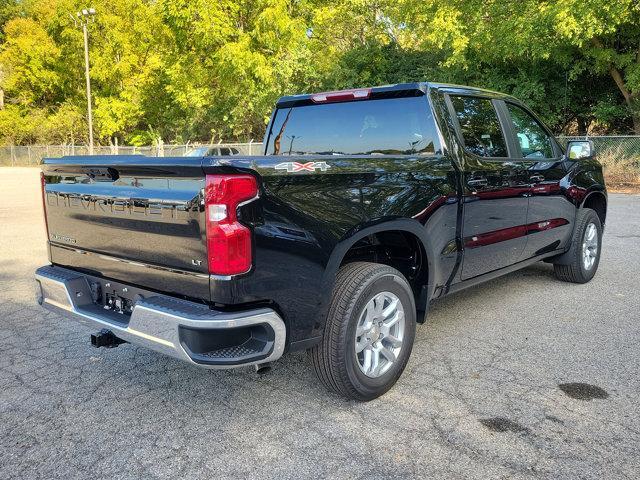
(292, 167)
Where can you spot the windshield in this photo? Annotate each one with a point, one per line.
(385, 126)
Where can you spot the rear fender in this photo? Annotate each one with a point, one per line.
(350, 239)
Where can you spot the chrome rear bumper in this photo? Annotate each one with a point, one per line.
(182, 329)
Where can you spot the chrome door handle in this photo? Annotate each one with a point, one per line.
(477, 182)
(536, 178)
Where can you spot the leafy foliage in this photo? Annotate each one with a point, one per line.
(200, 70)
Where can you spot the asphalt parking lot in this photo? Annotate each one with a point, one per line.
(487, 393)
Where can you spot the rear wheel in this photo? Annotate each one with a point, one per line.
(369, 331)
(580, 263)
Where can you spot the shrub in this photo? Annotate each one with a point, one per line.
(621, 171)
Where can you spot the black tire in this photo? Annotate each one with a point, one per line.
(570, 266)
(334, 358)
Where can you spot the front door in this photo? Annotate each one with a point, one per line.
(550, 214)
(496, 186)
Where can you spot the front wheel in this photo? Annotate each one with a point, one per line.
(369, 331)
(580, 263)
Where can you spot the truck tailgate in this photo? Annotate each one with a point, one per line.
(135, 219)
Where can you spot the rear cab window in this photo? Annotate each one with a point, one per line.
(387, 126)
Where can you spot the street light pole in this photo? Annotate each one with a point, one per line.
(84, 16)
(86, 73)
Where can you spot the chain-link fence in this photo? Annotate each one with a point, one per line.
(21, 155)
(627, 146)
(624, 146)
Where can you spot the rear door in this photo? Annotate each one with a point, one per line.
(495, 184)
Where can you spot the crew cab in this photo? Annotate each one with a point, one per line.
(367, 205)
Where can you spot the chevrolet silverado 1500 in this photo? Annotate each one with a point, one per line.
(367, 205)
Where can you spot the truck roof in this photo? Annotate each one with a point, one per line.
(399, 89)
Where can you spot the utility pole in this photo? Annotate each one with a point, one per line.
(84, 17)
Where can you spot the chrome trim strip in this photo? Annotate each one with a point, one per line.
(225, 277)
(155, 320)
(129, 262)
(247, 202)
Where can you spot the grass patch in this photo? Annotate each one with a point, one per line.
(621, 172)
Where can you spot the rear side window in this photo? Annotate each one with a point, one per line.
(393, 126)
(480, 126)
(533, 139)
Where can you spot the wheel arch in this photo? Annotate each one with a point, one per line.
(352, 237)
(597, 201)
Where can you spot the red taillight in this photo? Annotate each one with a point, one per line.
(341, 96)
(43, 184)
(228, 241)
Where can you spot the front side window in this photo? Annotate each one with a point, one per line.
(533, 139)
(480, 126)
(391, 126)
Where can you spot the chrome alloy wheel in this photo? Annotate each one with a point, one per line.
(589, 246)
(379, 334)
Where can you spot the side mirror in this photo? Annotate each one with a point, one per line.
(577, 149)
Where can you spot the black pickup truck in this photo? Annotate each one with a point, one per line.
(367, 205)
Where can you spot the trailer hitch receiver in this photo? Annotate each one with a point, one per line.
(105, 338)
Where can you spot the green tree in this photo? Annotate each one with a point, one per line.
(582, 37)
(187, 70)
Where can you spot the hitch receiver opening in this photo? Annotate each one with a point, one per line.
(105, 338)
